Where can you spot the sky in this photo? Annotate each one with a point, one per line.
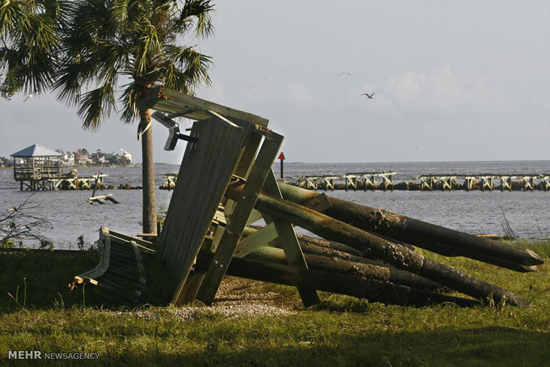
(453, 81)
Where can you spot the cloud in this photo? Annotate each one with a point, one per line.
(439, 94)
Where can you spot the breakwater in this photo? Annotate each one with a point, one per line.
(384, 181)
(371, 181)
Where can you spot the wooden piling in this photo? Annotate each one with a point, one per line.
(378, 248)
(414, 231)
(372, 290)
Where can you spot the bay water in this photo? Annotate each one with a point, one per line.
(527, 213)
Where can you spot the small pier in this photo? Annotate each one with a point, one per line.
(39, 168)
(49, 180)
(170, 183)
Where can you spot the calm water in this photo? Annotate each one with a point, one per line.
(474, 212)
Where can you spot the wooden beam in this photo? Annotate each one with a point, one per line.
(258, 239)
(241, 213)
(289, 242)
(222, 216)
(104, 260)
(171, 101)
(205, 172)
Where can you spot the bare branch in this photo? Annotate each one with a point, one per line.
(20, 223)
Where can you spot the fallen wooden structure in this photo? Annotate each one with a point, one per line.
(101, 199)
(225, 184)
(120, 274)
(170, 183)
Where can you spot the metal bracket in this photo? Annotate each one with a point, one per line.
(174, 131)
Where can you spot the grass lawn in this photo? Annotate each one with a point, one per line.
(256, 324)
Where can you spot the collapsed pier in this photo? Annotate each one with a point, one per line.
(226, 184)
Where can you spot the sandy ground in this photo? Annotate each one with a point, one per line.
(233, 300)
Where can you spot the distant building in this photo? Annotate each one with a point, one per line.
(67, 158)
(99, 159)
(4, 162)
(127, 156)
(82, 159)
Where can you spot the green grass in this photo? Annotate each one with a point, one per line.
(341, 331)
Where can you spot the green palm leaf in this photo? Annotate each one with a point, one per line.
(84, 48)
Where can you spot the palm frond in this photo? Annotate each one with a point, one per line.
(196, 13)
(148, 45)
(95, 105)
(71, 78)
(119, 11)
(186, 68)
(32, 29)
(10, 14)
(129, 99)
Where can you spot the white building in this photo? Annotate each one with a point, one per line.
(67, 158)
(127, 156)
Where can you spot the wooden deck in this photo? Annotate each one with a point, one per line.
(120, 274)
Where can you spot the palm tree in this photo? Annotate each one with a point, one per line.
(132, 44)
(29, 44)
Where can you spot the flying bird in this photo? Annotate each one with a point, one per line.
(344, 73)
(30, 95)
(368, 95)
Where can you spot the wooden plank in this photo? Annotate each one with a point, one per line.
(222, 118)
(216, 238)
(256, 240)
(171, 101)
(139, 262)
(220, 217)
(206, 170)
(101, 198)
(189, 290)
(242, 170)
(104, 259)
(289, 242)
(245, 163)
(243, 208)
(149, 246)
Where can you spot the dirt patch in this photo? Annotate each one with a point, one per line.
(236, 298)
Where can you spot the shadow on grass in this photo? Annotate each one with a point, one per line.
(491, 346)
(40, 279)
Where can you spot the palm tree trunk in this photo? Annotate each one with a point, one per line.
(148, 173)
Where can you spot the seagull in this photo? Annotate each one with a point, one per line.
(30, 95)
(344, 73)
(368, 95)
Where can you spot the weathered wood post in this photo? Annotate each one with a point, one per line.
(374, 291)
(379, 248)
(414, 231)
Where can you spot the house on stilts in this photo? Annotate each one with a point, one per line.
(37, 168)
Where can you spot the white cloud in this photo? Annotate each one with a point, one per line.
(439, 94)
